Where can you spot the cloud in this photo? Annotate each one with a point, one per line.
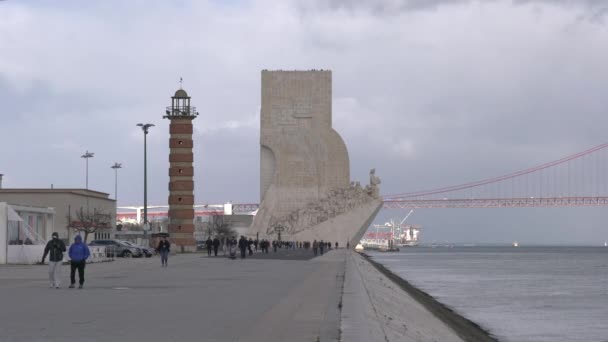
(404, 149)
(250, 123)
(395, 7)
(431, 93)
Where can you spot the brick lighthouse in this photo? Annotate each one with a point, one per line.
(181, 172)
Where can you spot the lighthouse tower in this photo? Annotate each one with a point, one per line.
(181, 171)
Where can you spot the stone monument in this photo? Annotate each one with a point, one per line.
(305, 186)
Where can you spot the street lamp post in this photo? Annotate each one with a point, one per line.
(116, 166)
(279, 229)
(144, 128)
(86, 156)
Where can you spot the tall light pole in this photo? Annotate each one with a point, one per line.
(144, 128)
(116, 166)
(86, 156)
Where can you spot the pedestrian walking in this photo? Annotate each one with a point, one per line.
(321, 246)
(249, 244)
(255, 244)
(243, 246)
(164, 247)
(347, 245)
(233, 247)
(55, 249)
(216, 245)
(209, 245)
(336, 244)
(315, 247)
(78, 253)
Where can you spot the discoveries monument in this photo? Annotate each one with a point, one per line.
(305, 186)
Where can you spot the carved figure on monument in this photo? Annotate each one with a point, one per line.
(374, 181)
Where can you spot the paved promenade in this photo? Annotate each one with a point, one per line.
(287, 296)
(195, 298)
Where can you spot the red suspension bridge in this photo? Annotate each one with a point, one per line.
(580, 179)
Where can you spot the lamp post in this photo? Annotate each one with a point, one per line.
(116, 166)
(279, 229)
(86, 156)
(144, 128)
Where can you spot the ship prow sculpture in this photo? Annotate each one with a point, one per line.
(306, 192)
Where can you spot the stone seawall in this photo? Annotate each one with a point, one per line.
(380, 306)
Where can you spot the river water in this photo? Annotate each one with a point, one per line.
(523, 294)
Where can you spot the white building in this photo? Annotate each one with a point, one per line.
(65, 202)
(24, 231)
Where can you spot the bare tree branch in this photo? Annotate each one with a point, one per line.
(90, 222)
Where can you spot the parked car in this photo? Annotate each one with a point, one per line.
(118, 248)
(147, 251)
(201, 245)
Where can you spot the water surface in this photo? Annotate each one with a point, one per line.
(524, 294)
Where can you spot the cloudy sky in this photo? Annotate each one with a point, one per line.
(431, 93)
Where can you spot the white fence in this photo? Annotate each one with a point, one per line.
(98, 254)
(32, 254)
(24, 254)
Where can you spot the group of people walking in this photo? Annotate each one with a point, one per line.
(246, 246)
(212, 245)
(320, 246)
(78, 254)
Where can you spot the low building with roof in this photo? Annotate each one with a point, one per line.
(66, 203)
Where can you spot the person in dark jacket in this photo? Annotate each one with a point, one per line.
(216, 245)
(243, 246)
(78, 253)
(321, 246)
(209, 244)
(164, 247)
(55, 248)
(249, 244)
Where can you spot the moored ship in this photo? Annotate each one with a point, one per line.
(408, 236)
(391, 235)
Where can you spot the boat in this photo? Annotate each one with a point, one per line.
(391, 236)
(408, 235)
(515, 244)
(605, 243)
(379, 240)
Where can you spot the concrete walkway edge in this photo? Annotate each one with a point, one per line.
(359, 321)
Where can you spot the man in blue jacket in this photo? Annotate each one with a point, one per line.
(79, 253)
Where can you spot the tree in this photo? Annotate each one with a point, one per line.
(90, 222)
(224, 231)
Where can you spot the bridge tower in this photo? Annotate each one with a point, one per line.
(181, 171)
